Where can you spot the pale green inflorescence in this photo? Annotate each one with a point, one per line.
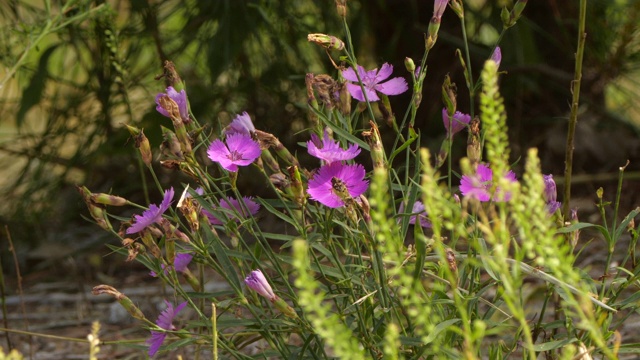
(328, 326)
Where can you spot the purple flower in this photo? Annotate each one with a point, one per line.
(439, 6)
(479, 185)
(551, 194)
(240, 149)
(373, 81)
(258, 283)
(179, 97)
(232, 207)
(241, 124)
(180, 263)
(165, 321)
(458, 122)
(153, 215)
(322, 189)
(329, 150)
(418, 214)
(497, 55)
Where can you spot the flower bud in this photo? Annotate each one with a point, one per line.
(326, 41)
(171, 143)
(120, 298)
(375, 144)
(107, 199)
(341, 8)
(258, 283)
(297, 186)
(409, 65)
(141, 143)
(474, 148)
(449, 95)
(497, 55)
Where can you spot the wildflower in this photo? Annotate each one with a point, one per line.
(165, 321)
(497, 55)
(373, 81)
(258, 283)
(240, 149)
(550, 194)
(180, 264)
(439, 6)
(241, 124)
(329, 150)
(479, 185)
(458, 122)
(324, 188)
(151, 216)
(418, 214)
(180, 98)
(232, 206)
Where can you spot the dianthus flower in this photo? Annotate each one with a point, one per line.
(258, 283)
(329, 150)
(179, 97)
(232, 206)
(419, 214)
(550, 194)
(180, 263)
(151, 216)
(439, 6)
(479, 185)
(335, 181)
(240, 149)
(373, 81)
(458, 122)
(165, 321)
(241, 124)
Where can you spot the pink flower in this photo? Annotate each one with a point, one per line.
(329, 150)
(479, 185)
(231, 207)
(151, 216)
(240, 149)
(180, 98)
(258, 283)
(241, 124)
(418, 214)
(165, 321)
(373, 81)
(322, 187)
(439, 6)
(458, 122)
(180, 263)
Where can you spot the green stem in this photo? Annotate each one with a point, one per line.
(573, 118)
(469, 71)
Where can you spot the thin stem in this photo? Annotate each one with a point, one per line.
(573, 118)
(469, 71)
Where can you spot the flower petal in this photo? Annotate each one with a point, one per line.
(385, 71)
(394, 86)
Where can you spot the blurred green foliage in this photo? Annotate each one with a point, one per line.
(75, 72)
